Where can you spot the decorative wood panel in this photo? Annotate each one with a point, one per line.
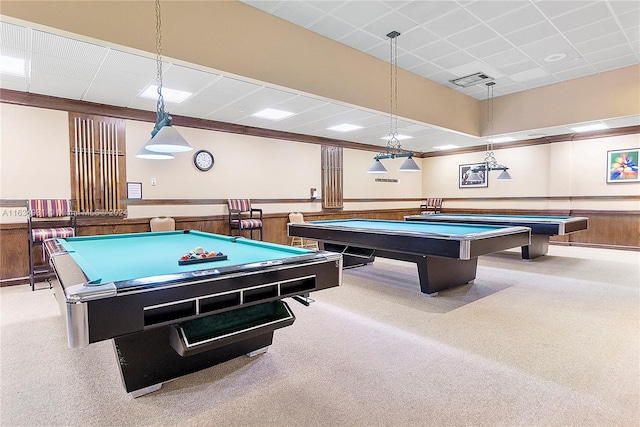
(98, 175)
(613, 230)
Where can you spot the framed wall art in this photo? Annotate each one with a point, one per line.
(468, 181)
(622, 165)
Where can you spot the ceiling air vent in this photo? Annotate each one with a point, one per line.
(472, 79)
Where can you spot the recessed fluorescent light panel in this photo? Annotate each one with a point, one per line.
(446, 147)
(399, 137)
(345, 127)
(500, 139)
(169, 95)
(10, 65)
(272, 114)
(589, 128)
(472, 79)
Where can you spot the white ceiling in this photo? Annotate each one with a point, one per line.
(510, 40)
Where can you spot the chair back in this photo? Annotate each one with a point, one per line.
(49, 208)
(296, 217)
(163, 223)
(243, 205)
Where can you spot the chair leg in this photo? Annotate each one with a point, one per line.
(31, 267)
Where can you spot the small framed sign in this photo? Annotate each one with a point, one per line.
(622, 165)
(478, 179)
(134, 190)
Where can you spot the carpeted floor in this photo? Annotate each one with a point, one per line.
(551, 342)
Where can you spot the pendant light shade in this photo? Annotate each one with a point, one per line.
(153, 155)
(409, 165)
(504, 175)
(168, 140)
(377, 167)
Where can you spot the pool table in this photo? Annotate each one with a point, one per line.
(446, 254)
(166, 319)
(542, 227)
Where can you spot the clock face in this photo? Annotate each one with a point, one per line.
(203, 160)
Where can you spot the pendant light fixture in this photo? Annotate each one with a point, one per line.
(164, 138)
(489, 163)
(393, 149)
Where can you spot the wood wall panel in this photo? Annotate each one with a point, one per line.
(616, 230)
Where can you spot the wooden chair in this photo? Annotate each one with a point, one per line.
(162, 223)
(432, 206)
(47, 219)
(241, 217)
(299, 241)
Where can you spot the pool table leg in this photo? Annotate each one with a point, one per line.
(539, 247)
(437, 274)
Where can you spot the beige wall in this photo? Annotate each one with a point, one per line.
(564, 169)
(34, 162)
(34, 153)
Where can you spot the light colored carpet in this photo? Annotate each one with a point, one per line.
(551, 342)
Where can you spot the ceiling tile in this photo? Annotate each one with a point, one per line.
(538, 31)
(63, 67)
(360, 40)
(612, 64)
(298, 12)
(593, 31)
(451, 23)
(13, 36)
(416, 37)
(426, 11)
(487, 10)
(391, 22)
(454, 60)
(472, 36)
(610, 53)
(595, 12)
(110, 94)
(324, 5)
(361, 13)
(332, 28)
(435, 50)
(516, 20)
(489, 48)
(552, 8)
(505, 58)
(614, 39)
(67, 48)
(630, 19)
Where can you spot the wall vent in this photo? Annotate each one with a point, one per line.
(472, 79)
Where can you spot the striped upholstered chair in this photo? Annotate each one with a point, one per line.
(47, 219)
(433, 205)
(242, 218)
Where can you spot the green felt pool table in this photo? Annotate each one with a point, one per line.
(168, 320)
(446, 254)
(542, 227)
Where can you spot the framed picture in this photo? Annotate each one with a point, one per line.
(622, 165)
(479, 179)
(134, 190)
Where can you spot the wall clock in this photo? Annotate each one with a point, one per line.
(203, 160)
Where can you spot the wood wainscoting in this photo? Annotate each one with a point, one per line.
(607, 229)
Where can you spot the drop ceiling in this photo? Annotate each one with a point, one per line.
(522, 44)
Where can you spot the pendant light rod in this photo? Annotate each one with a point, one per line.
(393, 149)
(164, 138)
